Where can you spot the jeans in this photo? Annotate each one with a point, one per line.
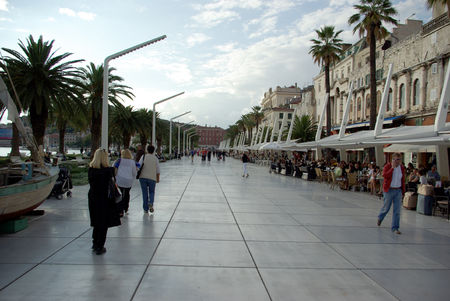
(148, 192)
(245, 169)
(392, 196)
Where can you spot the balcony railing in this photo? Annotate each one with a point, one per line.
(435, 23)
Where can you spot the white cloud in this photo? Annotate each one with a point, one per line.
(50, 19)
(67, 12)
(5, 20)
(81, 14)
(337, 17)
(197, 38)
(4, 5)
(226, 47)
(212, 18)
(407, 8)
(266, 25)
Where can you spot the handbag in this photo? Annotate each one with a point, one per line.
(114, 191)
(140, 168)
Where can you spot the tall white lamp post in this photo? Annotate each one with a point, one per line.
(179, 127)
(170, 135)
(104, 140)
(154, 115)
(184, 137)
(189, 141)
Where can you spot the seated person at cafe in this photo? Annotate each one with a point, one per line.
(422, 178)
(433, 174)
(413, 179)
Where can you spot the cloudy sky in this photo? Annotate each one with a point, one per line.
(223, 53)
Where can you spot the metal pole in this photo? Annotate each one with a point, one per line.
(154, 115)
(104, 139)
(179, 127)
(184, 138)
(170, 132)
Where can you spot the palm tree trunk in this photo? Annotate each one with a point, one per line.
(327, 90)
(126, 141)
(15, 141)
(143, 141)
(373, 80)
(38, 123)
(62, 133)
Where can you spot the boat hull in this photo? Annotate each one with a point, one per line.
(20, 198)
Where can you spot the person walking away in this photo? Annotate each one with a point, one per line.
(394, 189)
(209, 155)
(245, 162)
(126, 173)
(192, 155)
(148, 178)
(102, 210)
(139, 153)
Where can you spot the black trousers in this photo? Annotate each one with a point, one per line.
(99, 237)
(125, 203)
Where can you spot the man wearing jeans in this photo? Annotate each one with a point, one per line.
(394, 189)
(149, 177)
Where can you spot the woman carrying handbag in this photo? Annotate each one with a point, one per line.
(102, 209)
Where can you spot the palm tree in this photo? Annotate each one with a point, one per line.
(93, 91)
(248, 123)
(304, 128)
(69, 113)
(232, 132)
(124, 122)
(369, 22)
(326, 50)
(41, 78)
(144, 129)
(431, 3)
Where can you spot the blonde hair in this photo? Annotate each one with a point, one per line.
(100, 159)
(126, 154)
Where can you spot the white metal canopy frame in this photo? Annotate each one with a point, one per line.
(104, 140)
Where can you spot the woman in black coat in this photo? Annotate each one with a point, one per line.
(102, 210)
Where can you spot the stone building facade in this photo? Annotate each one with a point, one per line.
(305, 103)
(419, 54)
(209, 136)
(276, 104)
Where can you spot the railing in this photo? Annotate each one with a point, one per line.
(435, 23)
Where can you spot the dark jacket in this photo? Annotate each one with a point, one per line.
(245, 158)
(103, 211)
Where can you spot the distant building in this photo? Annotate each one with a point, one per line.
(210, 136)
(305, 103)
(276, 105)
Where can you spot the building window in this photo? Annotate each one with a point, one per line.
(289, 115)
(434, 69)
(416, 92)
(401, 96)
(280, 115)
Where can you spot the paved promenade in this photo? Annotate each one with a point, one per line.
(217, 236)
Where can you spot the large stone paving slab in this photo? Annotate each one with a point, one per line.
(168, 283)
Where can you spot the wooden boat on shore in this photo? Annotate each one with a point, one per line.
(21, 193)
